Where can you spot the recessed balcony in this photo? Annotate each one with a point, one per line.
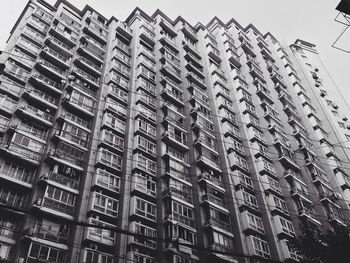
(56, 44)
(47, 83)
(195, 79)
(36, 115)
(147, 35)
(124, 30)
(175, 140)
(56, 58)
(89, 66)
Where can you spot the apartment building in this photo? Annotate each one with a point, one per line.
(154, 140)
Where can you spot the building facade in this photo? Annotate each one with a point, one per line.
(153, 140)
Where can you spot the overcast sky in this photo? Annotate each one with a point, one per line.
(311, 20)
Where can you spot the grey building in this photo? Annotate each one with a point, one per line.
(153, 140)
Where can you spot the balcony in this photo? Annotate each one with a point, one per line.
(204, 143)
(214, 53)
(95, 82)
(55, 207)
(285, 229)
(54, 57)
(309, 215)
(175, 140)
(56, 44)
(234, 58)
(288, 161)
(215, 201)
(248, 47)
(209, 163)
(89, 66)
(59, 156)
(252, 224)
(23, 179)
(256, 72)
(194, 60)
(47, 83)
(104, 237)
(124, 30)
(293, 177)
(216, 223)
(191, 49)
(263, 93)
(47, 233)
(195, 79)
(277, 78)
(96, 31)
(342, 180)
(206, 179)
(296, 192)
(170, 42)
(173, 94)
(59, 180)
(147, 35)
(36, 115)
(190, 66)
(64, 36)
(92, 50)
(52, 70)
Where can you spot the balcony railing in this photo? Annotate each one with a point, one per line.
(45, 232)
(219, 223)
(56, 55)
(214, 199)
(48, 81)
(86, 76)
(63, 180)
(39, 113)
(58, 206)
(24, 177)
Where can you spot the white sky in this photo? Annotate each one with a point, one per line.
(311, 20)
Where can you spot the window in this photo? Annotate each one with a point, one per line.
(17, 172)
(110, 159)
(115, 122)
(145, 209)
(223, 241)
(250, 200)
(93, 256)
(107, 180)
(145, 164)
(261, 248)
(147, 128)
(105, 236)
(105, 204)
(77, 120)
(255, 223)
(75, 134)
(145, 184)
(182, 214)
(280, 204)
(46, 253)
(145, 231)
(28, 143)
(145, 145)
(60, 195)
(287, 226)
(112, 139)
(115, 106)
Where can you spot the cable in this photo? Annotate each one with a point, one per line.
(145, 237)
(140, 94)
